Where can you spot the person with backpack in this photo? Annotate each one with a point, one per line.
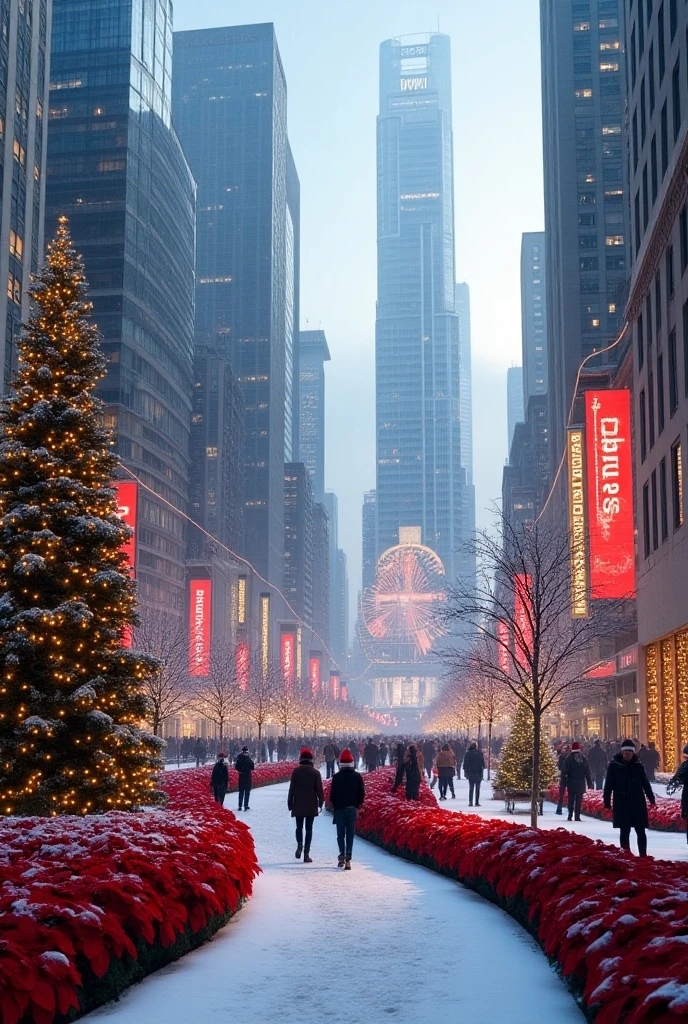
(305, 800)
(244, 767)
(347, 794)
(219, 780)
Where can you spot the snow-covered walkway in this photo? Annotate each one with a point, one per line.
(386, 941)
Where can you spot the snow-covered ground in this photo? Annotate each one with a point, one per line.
(385, 941)
(663, 845)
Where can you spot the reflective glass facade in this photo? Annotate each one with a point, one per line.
(116, 168)
(419, 472)
(313, 354)
(230, 109)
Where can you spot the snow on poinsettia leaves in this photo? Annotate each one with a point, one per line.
(79, 889)
(616, 923)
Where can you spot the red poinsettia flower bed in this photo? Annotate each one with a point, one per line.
(616, 925)
(88, 905)
(665, 816)
(179, 784)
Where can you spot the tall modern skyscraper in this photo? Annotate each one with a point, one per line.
(533, 314)
(298, 539)
(313, 354)
(419, 476)
(514, 400)
(116, 168)
(463, 311)
(339, 581)
(586, 191)
(292, 311)
(230, 108)
(368, 530)
(24, 57)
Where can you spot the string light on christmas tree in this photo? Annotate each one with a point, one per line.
(516, 761)
(72, 694)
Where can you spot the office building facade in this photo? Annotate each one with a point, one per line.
(117, 170)
(321, 575)
(230, 109)
(24, 98)
(586, 192)
(368, 531)
(515, 412)
(658, 314)
(419, 475)
(533, 314)
(313, 354)
(298, 540)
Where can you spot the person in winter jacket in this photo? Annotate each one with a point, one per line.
(371, 755)
(412, 771)
(679, 780)
(346, 796)
(625, 791)
(428, 752)
(329, 755)
(446, 770)
(575, 773)
(649, 758)
(305, 800)
(353, 747)
(219, 780)
(598, 761)
(399, 755)
(199, 752)
(473, 769)
(244, 766)
(384, 750)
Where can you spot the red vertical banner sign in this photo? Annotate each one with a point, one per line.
(314, 671)
(523, 627)
(288, 658)
(242, 657)
(503, 648)
(344, 691)
(200, 608)
(128, 509)
(610, 493)
(334, 684)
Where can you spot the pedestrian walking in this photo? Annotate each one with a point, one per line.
(473, 770)
(219, 780)
(271, 748)
(428, 752)
(626, 789)
(305, 800)
(371, 755)
(399, 756)
(244, 767)
(329, 755)
(446, 770)
(412, 772)
(199, 752)
(650, 760)
(353, 749)
(598, 761)
(564, 752)
(679, 780)
(347, 794)
(384, 750)
(575, 774)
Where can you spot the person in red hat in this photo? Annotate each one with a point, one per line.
(575, 773)
(346, 796)
(305, 800)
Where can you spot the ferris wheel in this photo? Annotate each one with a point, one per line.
(402, 605)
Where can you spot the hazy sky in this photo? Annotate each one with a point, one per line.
(330, 53)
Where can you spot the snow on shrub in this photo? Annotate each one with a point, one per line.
(84, 898)
(665, 816)
(616, 925)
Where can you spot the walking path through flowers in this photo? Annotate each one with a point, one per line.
(386, 941)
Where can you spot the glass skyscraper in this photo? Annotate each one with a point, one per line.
(419, 467)
(230, 108)
(116, 168)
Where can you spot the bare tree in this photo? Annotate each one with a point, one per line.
(262, 696)
(219, 697)
(491, 701)
(167, 690)
(287, 706)
(319, 712)
(519, 617)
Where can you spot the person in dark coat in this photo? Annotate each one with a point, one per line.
(305, 800)
(473, 769)
(399, 762)
(649, 758)
(446, 770)
(199, 752)
(371, 755)
(575, 774)
(598, 761)
(383, 754)
(353, 748)
(412, 771)
(330, 757)
(625, 790)
(679, 780)
(219, 780)
(244, 766)
(346, 796)
(428, 751)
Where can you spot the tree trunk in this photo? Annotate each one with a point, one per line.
(489, 748)
(260, 745)
(535, 795)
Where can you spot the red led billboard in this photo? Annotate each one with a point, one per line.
(503, 648)
(242, 656)
(288, 657)
(200, 597)
(127, 509)
(610, 493)
(314, 671)
(523, 625)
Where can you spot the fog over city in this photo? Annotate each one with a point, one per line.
(330, 52)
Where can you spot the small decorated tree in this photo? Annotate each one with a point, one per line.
(71, 697)
(516, 763)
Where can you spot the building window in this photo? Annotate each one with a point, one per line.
(676, 96)
(651, 403)
(655, 522)
(16, 245)
(670, 284)
(634, 131)
(677, 484)
(643, 426)
(685, 348)
(634, 59)
(663, 509)
(19, 153)
(683, 232)
(660, 394)
(646, 520)
(648, 315)
(673, 378)
(673, 19)
(664, 134)
(641, 342)
(658, 302)
(651, 77)
(661, 52)
(653, 167)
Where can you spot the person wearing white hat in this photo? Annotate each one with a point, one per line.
(625, 791)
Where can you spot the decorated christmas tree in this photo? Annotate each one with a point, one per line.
(516, 761)
(71, 695)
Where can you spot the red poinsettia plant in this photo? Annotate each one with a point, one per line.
(664, 816)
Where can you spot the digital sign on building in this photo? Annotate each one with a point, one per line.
(503, 648)
(577, 524)
(610, 493)
(288, 657)
(200, 608)
(127, 509)
(314, 670)
(241, 600)
(265, 632)
(523, 624)
(242, 657)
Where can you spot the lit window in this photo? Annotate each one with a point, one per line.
(611, 308)
(19, 153)
(590, 179)
(16, 245)
(609, 22)
(609, 65)
(582, 26)
(614, 240)
(612, 193)
(211, 452)
(214, 280)
(611, 129)
(595, 323)
(615, 45)
(583, 94)
(97, 111)
(39, 109)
